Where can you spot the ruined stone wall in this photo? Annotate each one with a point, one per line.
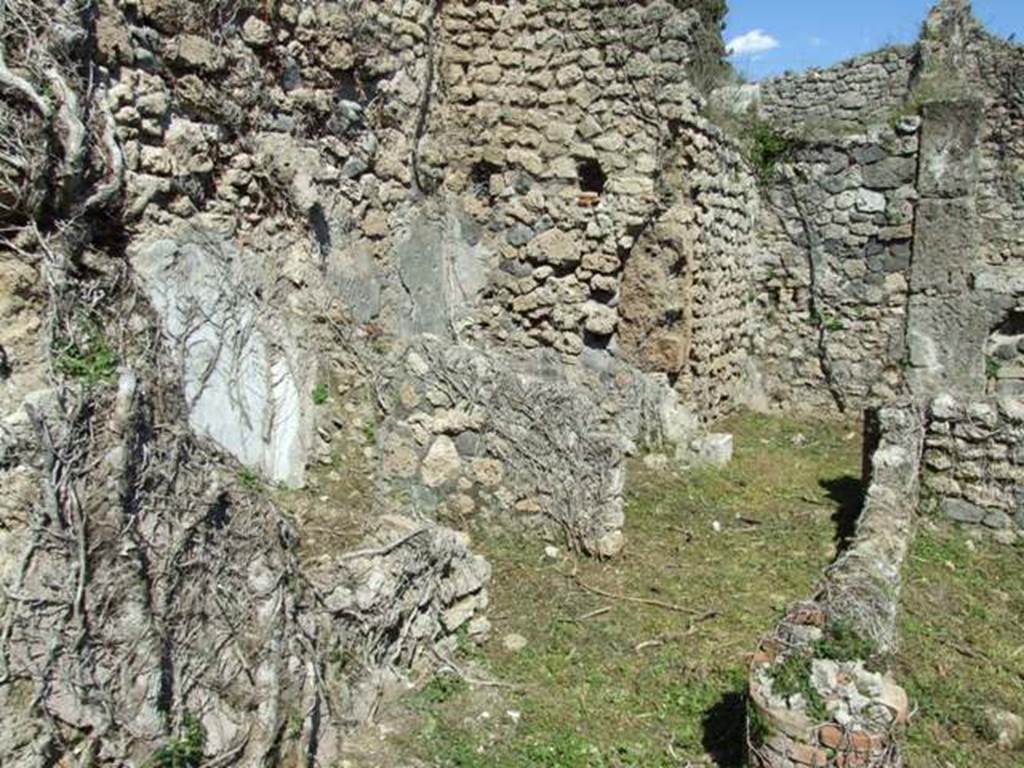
(620, 215)
(879, 222)
(848, 96)
(723, 316)
(833, 268)
(473, 436)
(965, 61)
(525, 175)
(974, 462)
(248, 139)
(819, 691)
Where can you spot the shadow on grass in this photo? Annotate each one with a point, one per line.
(725, 731)
(848, 493)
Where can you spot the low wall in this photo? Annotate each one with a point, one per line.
(469, 433)
(818, 693)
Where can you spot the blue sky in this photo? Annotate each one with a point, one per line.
(797, 34)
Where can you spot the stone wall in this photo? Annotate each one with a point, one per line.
(832, 269)
(622, 216)
(848, 96)
(974, 462)
(1001, 166)
(879, 223)
(968, 61)
(196, 576)
(718, 307)
(527, 176)
(246, 371)
(946, 334)
(248, 149)
(301, 176)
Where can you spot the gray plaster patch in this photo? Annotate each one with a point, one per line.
(442, 268)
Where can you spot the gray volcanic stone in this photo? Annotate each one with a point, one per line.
(519, 235)
(963, 511)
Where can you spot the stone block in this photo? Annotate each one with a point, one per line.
(963, 511)
(442, 463)
(715, 449)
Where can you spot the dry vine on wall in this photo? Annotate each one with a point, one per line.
(150, 590)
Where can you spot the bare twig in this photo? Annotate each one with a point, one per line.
(378, 551)
(675, 637)
(450, 664)
(630, 598)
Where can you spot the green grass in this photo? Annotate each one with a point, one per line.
(587, 697)
(321, 394)
(184, 750)
(248, 479)
(441, 688)
(963, 645)
(93, 361)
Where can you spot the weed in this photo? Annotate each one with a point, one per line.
(992, 368)
(249, 479)
(294, 727)
(833, 324)
(442, 688)
(842, 642)
(793, 675)
(321, 394)
(370, 432)
(757, 728)
(895, 218)
(940, 84)
(93, 360)
(183, 751)
(768, 148)
(788, 678)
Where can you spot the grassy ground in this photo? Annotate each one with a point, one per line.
(606, 682)
(963, 641)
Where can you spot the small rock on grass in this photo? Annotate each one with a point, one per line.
(1006, 728)
(514, 643)
(656, 461)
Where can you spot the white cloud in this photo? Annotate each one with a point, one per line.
(755, 41)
